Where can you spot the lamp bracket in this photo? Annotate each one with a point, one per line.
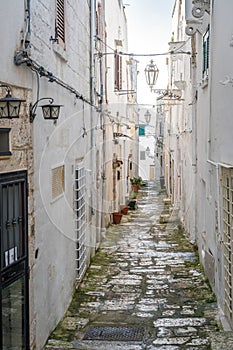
(7, 87)
(167, 93)
(35, 105)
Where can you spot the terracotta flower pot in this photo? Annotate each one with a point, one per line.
(124, 210)
(116, 218)
(135, 188)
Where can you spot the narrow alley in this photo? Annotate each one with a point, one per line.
(145, 289)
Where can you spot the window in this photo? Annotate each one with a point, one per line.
(141, 130)
(118, 71)
(58, 181)
(142, 155)
(60, 21)
(205, 71)
(5, 142)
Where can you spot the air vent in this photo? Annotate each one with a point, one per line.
(57, 181)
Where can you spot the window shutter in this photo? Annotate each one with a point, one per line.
(206, 40)
(118, 72)
(60, 20)
(141, 130)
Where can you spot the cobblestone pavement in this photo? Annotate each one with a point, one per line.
(145, 289)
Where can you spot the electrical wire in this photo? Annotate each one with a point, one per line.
(114, 51)
(36, 67)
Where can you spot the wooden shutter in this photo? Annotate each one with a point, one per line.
(118, 72)
(60, 21)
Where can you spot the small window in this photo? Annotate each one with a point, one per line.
(60, 22)
(58, 181)
(142, 155)
(141, 130)
(5, 142)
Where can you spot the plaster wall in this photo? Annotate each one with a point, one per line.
(117, 115)
(68, 143)
(21, 134)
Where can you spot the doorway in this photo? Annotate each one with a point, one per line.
(14, 304)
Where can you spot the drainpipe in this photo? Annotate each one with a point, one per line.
(103, 127)
(20, 57)
(216, 165)
(209, 160)
(104, 189)
(194, 133)
(92, 90)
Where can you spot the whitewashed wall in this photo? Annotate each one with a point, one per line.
(118, 117)
(207, 149)
(66, 143)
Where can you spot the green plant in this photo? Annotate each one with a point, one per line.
(136, 180)
(133, 195)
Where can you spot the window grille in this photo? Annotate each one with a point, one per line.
(227, 189)
(58, 181)
(81, 226)
(60, 21)
(206, 40)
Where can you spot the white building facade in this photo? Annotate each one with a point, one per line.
(53, 183)
(199, 156)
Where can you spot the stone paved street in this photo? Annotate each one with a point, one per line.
(145, 289)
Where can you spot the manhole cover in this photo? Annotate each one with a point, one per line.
(114, 333)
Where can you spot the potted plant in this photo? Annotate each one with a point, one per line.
(136, 183)
(132, 204)
(116, 217)
(124, 209)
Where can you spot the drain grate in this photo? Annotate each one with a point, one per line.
(114, 333)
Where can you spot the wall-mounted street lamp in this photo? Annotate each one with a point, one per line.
(148, 151)
(151, 72)
(50, 110)
(9, 106)
(147, 117)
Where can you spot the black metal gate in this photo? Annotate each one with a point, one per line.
(14, 306)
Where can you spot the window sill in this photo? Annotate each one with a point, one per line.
(204, 82)
(60, 51)
(5, 155)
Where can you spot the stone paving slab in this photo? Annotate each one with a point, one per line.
(146, 274)
(222, 341)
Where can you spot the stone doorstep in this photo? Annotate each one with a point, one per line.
(164, 218)
(167, 201)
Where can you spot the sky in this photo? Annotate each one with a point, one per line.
(149, 31)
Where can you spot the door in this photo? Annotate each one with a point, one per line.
(152, 172)
(14, 313)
